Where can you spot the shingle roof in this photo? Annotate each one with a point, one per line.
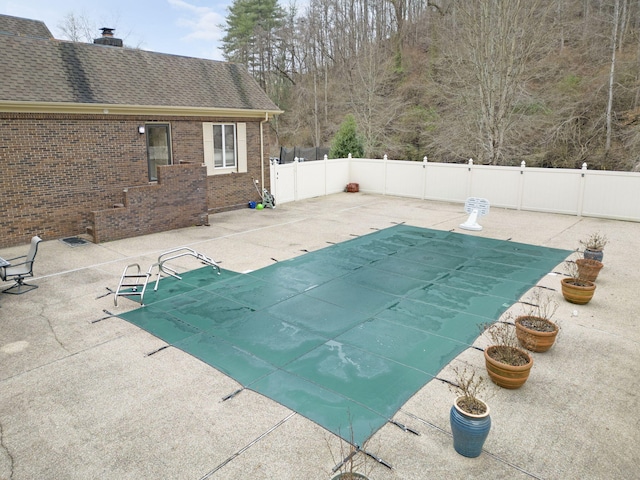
(49, 70)
(23, 27)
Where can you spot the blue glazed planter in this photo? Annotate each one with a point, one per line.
(469, 431)
(593, 254)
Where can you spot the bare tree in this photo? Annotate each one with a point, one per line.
(78, 27)
(498, 39)
(372, 99)
(497, 80)
(400, 11)
(614, 46)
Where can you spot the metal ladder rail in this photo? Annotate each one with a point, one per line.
(209, 261)
(177, 253)
(135, 284)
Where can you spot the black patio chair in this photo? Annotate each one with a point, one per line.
(19, 271)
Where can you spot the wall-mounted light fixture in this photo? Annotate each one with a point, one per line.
(141, 129)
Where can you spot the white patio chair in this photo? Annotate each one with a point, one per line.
(21, 270)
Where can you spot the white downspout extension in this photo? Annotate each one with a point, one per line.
(266, 119)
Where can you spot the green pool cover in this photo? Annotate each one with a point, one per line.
(347, 334)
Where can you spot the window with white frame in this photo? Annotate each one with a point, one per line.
(225, 147)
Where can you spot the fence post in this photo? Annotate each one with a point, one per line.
(469, 177)
(384, 184)
(295, 179)
(523, 165)
(582, 188)
(424, 177)
(325, 175)
(273, 178)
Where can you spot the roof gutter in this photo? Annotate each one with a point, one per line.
(114, 109)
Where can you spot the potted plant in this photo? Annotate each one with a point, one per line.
(534, 329)
(507, 364)
(469, 415)
(594, 245)
(588, 268)
(347, 475)
(574, 288)
(353, 459)
(348, 468)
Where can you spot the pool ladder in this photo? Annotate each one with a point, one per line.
(134, 284)
(172, 255)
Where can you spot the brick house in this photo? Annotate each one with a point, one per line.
(119, 142)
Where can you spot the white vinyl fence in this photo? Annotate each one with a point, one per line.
(593, 193)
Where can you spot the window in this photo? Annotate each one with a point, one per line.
(225, 149)
(224, 146)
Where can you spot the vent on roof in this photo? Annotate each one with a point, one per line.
(108, 38)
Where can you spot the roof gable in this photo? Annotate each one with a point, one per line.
(23, 27)
(54, 71)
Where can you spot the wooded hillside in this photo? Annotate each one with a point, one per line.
(554, 83)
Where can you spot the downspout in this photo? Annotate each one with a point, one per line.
(266, 119)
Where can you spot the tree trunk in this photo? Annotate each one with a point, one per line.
(614, 45)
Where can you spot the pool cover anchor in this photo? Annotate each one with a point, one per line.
(444, 380)
(345, 460)
(157, 350)
(378, 459)
(109, 292)
(109, 315)
(232, 394)
(404, 427)
(357, 450)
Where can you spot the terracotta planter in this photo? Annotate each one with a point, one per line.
(578, 292)
(533, 339)
(503, 374)
(588, 269)
(469, 430)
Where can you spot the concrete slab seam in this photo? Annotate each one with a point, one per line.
(248, 446)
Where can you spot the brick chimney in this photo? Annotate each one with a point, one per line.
(108, 38)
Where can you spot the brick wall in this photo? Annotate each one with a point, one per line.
(177, 200)
(56, 169)
(233, 190)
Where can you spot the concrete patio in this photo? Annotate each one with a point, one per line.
(83, 396)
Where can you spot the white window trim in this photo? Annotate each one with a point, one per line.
(241, 148)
